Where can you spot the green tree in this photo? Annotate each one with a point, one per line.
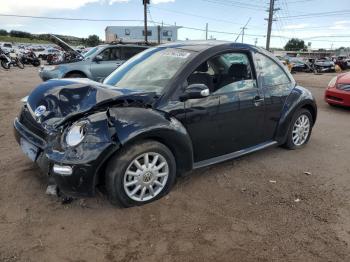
(3, 32)
(92, 40)
(15, 33)
(295, 44)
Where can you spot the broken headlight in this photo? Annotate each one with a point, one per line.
(76, 133)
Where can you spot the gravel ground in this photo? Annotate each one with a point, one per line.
(241, 210)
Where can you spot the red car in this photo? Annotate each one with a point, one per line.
(338, 91)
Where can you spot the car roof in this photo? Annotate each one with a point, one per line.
(128, 45)
(200, 45)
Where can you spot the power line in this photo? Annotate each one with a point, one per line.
(73, 19)
(194, 15)
(233, 4)
(312, 15)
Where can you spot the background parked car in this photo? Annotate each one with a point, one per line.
(324, 64)
(342, 62)
(6, 47)
(96, 64)
(338, 91)
(43, 54)
(299, 65)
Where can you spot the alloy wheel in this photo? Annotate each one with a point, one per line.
(146, 176)
(301, 130)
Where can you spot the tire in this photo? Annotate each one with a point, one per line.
(75, 75)
(19, 64)
(121, 165)
(4, 64)
(290, 143)
(36, 63)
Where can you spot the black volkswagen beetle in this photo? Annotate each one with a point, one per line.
(166, 111)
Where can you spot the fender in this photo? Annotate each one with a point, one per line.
(133, 123)
(298, 98)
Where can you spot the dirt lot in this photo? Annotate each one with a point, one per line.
(229, 212)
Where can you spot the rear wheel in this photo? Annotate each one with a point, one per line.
(36, 63)
(141, 173)
(300, 130)
(19, 64)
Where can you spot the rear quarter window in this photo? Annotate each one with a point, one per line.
(271, 72)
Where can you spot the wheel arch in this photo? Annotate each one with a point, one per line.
(74, 72)
(300, 98)
(134, 124)
(177, 144)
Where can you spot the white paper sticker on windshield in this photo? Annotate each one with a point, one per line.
(176, 53)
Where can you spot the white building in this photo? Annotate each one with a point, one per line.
(137, 34)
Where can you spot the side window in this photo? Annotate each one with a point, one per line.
(105, 54)
(272, 73)
(225, 73)
(110, 54)
(128, 52)
(115, 53)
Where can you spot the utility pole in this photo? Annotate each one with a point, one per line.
(145, 3)
(270, 20)
(243, 28)
(159, 29)
(256, 41)
(206, 31)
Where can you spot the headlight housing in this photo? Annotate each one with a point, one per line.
(76, 133)
(50, 68)
(333, 81)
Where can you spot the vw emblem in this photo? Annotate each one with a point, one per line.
(40, 110)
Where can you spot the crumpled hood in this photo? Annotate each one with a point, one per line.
(65, 98)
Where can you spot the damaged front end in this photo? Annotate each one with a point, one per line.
(65, 127)
(74, 168)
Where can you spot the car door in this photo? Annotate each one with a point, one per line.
(276, 85)
(111, 60)
(231, 117)
(241, 112)
(201, 116)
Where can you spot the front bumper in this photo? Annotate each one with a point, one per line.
(49, 74)
(85, 162)
(336, 96)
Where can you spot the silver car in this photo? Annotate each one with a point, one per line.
(96, 64)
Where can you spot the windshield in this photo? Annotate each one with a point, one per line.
(150, 70)
(90, 52)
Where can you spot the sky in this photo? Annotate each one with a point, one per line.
(225, 18)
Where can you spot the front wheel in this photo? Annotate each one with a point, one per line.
(140, 173)
(5, 64)
(300, 130)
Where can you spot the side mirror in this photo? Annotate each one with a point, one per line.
(98, 58)
(195, 91)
